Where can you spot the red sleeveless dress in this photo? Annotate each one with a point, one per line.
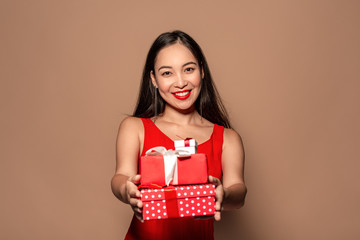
(178, 228)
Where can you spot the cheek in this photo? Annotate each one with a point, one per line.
(196, 81)
(197, 87)
(164, 86)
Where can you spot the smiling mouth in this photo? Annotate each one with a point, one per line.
(182, 95)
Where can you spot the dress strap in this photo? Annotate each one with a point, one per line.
(147, 132)
(218, 137)
(153, 137)
(217, 144)
(146, 121)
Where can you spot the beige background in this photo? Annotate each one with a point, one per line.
(288, 72)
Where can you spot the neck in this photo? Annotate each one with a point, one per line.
(189, 116)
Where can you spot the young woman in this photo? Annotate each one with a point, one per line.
(177, 100)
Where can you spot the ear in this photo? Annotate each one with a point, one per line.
(202, 73)
(153, 79)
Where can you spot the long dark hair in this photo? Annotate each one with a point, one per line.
(208, 103)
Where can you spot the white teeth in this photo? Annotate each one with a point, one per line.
(182, 94)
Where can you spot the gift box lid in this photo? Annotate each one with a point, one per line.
(188, 191)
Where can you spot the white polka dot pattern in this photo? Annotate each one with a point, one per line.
(190, 201)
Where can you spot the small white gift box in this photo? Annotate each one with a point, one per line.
(188, 144)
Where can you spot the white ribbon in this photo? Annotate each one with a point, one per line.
(170, 162)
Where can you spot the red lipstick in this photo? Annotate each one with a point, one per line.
(182, 95)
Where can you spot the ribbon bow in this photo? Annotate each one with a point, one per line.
(170, 161)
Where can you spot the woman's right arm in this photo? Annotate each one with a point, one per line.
(128, 146)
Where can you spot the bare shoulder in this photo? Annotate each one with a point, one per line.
(131, 124)
(232, 139)
(231, 135)
(128, 145)
(130, 129)
(129, 137)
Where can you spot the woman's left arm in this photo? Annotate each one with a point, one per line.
(231, 192)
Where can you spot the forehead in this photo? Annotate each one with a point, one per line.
(175, 54)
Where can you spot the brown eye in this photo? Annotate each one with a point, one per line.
(189, 70)
(166, 74)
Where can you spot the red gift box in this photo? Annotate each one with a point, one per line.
(189, 170)
(180, 201)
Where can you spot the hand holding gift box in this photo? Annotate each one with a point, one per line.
(164, 167)
(161, 167)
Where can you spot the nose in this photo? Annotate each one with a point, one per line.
(181, 82)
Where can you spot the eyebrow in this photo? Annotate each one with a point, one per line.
(188, 63)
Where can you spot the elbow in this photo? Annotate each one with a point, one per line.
(114, 187)
(117, 183)
(235, 199)
(241, 201)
